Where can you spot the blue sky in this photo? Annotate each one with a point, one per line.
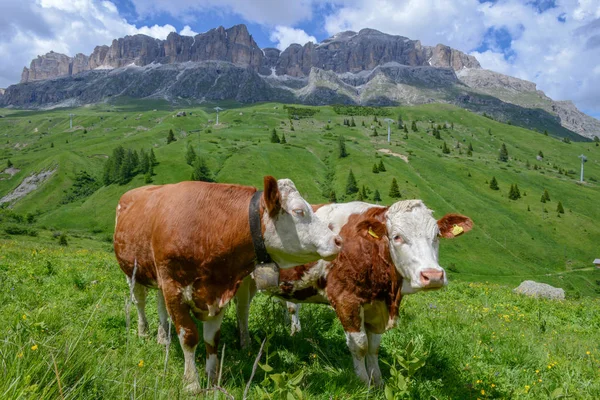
(554, 43)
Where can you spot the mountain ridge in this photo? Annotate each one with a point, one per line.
(366, 67)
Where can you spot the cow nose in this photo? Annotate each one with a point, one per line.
(432, 278)
(338, 241)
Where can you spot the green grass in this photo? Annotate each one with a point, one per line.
(508, 244)
(64, 335)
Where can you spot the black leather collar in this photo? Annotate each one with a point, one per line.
(254, 217)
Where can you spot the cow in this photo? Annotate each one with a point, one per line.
(193, 242)
(387, 253)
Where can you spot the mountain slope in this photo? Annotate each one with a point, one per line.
(512, 239)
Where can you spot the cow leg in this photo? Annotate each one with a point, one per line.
(163, 327)
(243, 298)
(294, 311)
(212, 333)
(373, 358)
(139, 295)
(352, 318)
(187, 331)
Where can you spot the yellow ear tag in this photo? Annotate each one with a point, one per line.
(457, 230)
(373, 233)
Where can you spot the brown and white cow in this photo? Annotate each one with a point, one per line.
(192, 242)
(388, 252)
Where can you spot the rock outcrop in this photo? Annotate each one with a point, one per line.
(536, 289)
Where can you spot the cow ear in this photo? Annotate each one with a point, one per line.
(371, 229)
(272, 196)
(453, 225)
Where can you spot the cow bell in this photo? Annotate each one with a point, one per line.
(266, 276)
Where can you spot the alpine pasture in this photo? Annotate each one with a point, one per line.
(69, 329)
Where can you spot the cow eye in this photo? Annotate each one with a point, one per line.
(398, 239)
(298, 212)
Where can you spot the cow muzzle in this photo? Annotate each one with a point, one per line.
(432, 278)
(337, 247)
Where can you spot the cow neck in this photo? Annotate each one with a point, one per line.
(255, 220)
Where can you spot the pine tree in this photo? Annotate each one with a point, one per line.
(374, 132)
(470, 147)
(436, 134)
(394, 190)
(363, 193)
(381, 167)
(376, 196)
(494, 184)
(452, 126)
(148, 177)
(469, 153)
(342, 147)
(352, 123)
(543, 199)
(190, 155)
(152, 158)
(503, 156)
(363, 122)
(375, 168)
(360, 196)
(351, 185)
(540, 154)
(528, 208)
(171, 137)
(546, 195)
(559, 208)
(9, 164)
(201, 171)
(274, 137)
(126, 170)
(283, 141)
(399, 120)
(332, 197)
(514, 193)
(413, 127)
(144, 162)
(445, 149)
(405, 129)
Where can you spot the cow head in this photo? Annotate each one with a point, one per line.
(414, 241)
(293, 234)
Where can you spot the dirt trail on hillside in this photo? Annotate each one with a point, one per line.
(388, 151)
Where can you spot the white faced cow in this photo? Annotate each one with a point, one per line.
(192, 241)
(387, 252)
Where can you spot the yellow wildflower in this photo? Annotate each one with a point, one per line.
(482, 392)
(493, 385)
(588, 352)
(20, 355)
(24, 317)
(34, 347)
(539, 380)
(537, 371)
(141, 363)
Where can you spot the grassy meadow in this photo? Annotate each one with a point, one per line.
(66, 333)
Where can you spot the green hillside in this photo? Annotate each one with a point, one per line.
(513, 240)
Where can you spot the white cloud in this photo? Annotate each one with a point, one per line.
(284, 36)
(34, 27)
(187, 31)
(264, 12)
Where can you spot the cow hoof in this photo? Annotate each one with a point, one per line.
(193, 388)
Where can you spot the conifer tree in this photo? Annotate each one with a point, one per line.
(283, 141)
(201, 171)
(436, 134)
(274, 137)
(503, 156)
(152, 158)
(445, 148)
(376, 196)
(470, 147)
(394, 190)
(9, 164)
(352, 123)
(374, 132)
(559, 208)
(363, 193)
(381, 167)
(342, 147)
(375, 168)
(332, 197)
(171, 137)
(144, 162)
(546, 195)
(400, 124)
(514, 193)
(405, 129)
(351, 185)
(359, 196)
(494, 184)
(413, 127)
(190, 155)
